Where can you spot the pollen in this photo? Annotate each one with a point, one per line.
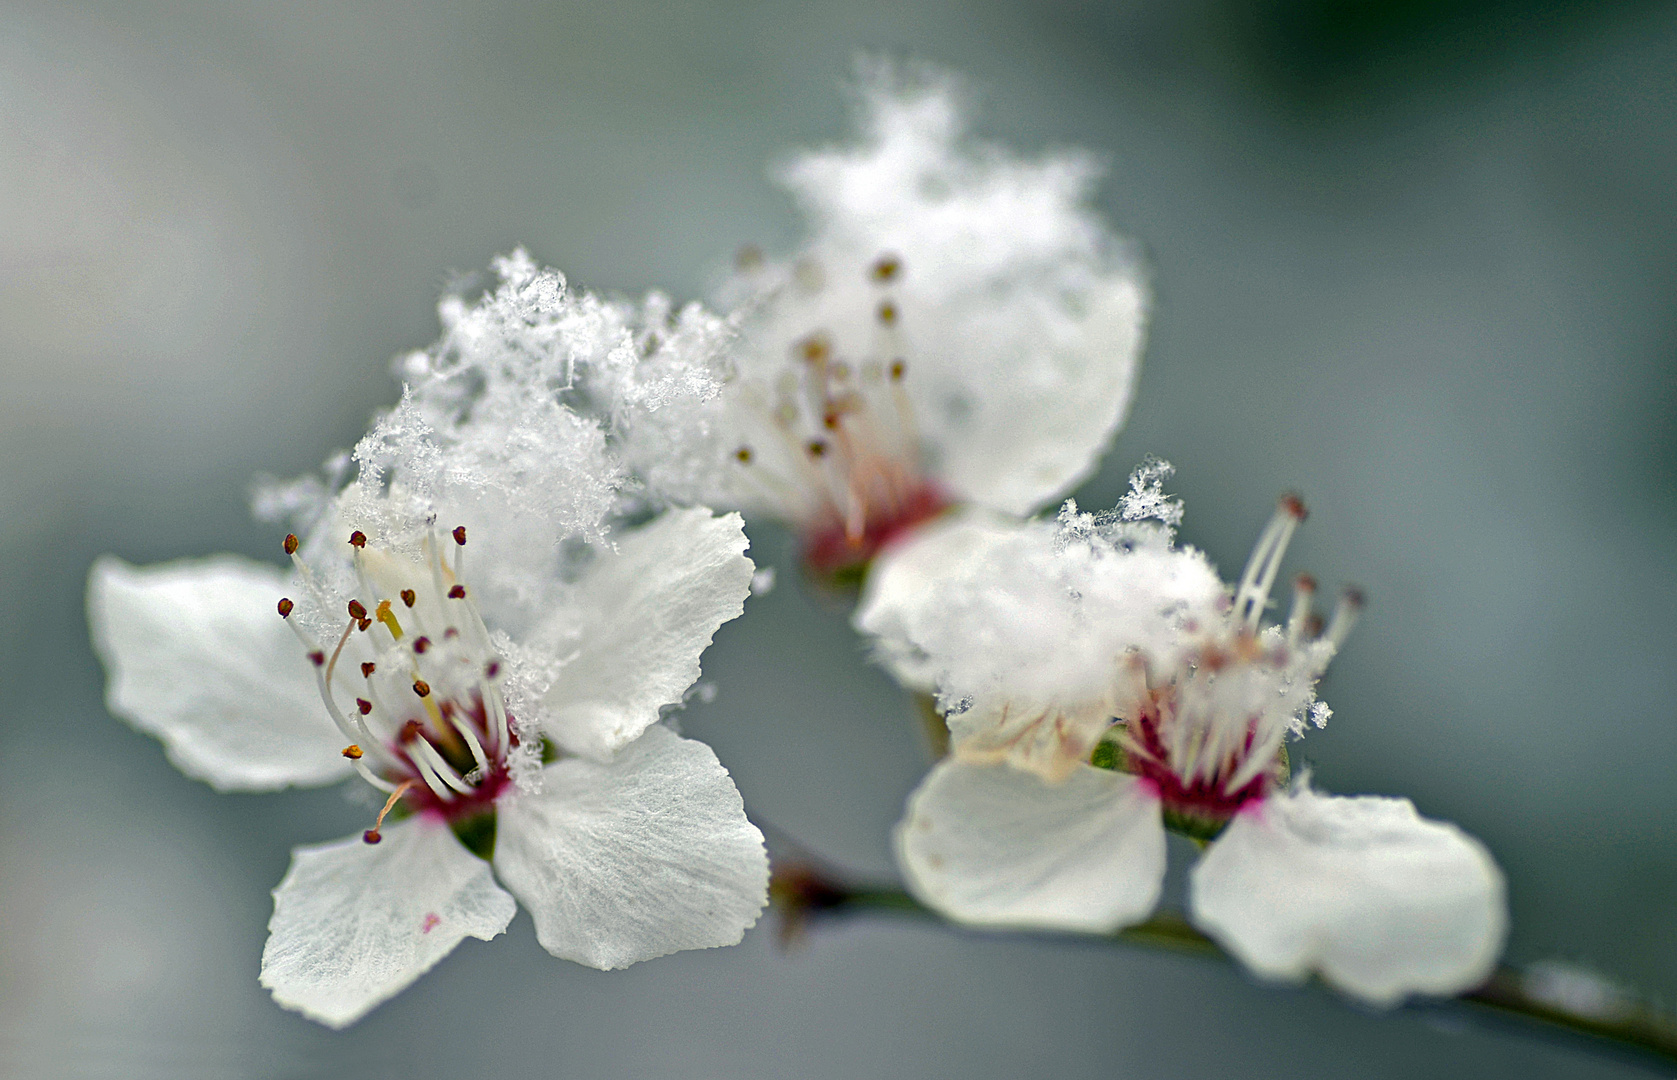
(814, 349)
(352, 752)
(291, 543)
(285, 607)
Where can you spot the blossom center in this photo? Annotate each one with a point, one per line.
(427, 725)
(844, 457)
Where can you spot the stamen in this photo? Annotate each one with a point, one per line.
(439, 766)
(1344, 617)
(372, 835)
(1258, 578)
(472, 744)
(1304, 590)
(383, 615)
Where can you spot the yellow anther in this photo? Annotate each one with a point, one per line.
(383, 615)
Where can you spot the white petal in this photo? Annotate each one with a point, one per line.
(992, 845)
(355, 923)
(1041, 433)
(902, 601)
(197, 656)
(647, 855)
(647, 612)
(1381, 901)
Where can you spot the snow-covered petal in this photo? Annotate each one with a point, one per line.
(197, 656)
(904, 591)
(991, 845)
(355, 923)
(642, 617)
(1380, 901)
(643, 856)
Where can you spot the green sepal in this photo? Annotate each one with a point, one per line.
(477, 833)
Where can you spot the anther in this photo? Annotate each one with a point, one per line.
(898, 370)
(410, 731)
(748, 258)
(420, 644)
(421, 687)
(885, 268)
(285, 607)
(367, 669)
(743, 455)
(408, 597)
(458, 592)
(817, 448)
(887, 313)
(291, 543)
(1304, 583)
(358, 539)
(1294, 506)
(492, 669)
(363, 624)
(352, 752)
(814, 349)
(459, 535)
(830, 420)
(365, 706)
(317, 658)
(451, 633)
(357, 611)
(371, 836)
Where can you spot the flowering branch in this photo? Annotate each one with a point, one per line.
(803, 892)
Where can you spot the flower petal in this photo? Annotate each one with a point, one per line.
(355, 923)
(992, 845)
(904, 596)
(1381, 901)
(647, 855)
(647, 611)
(198, 657)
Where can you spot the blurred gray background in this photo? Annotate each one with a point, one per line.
(1413, 259)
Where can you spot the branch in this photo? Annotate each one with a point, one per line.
(803, 893)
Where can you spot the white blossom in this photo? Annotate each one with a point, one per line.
(1101, 686)
(504, 694)
(958, 326)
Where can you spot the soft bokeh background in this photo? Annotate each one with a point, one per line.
(1414, 259)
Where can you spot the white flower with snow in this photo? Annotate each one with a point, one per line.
(506, 706)
(1102, 686)
(958, 327)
